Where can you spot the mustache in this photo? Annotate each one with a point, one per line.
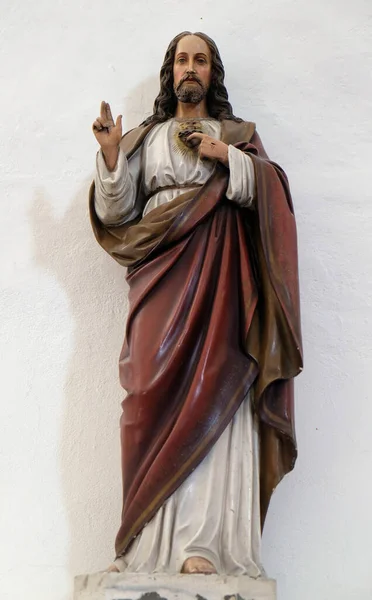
(189, 76)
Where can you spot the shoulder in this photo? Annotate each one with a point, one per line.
(134, 138)
(233, 132)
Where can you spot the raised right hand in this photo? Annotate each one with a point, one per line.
(108, 134)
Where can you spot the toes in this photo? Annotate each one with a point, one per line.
(198, 565)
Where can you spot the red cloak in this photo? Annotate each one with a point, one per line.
(214, 310)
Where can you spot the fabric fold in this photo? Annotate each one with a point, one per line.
(214, 312)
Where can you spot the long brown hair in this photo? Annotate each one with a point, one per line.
(165, 103)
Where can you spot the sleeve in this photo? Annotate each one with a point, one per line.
(242, 183)
(116, 192)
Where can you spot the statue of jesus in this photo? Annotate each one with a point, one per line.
(190, 203)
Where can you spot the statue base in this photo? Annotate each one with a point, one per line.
(160, 586)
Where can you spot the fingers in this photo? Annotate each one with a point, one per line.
(106, 115)
(194, 140)
(205, 142)
(196, 136)
(103, 124)
(199, 140)
(103, 110)
(214, 150)
(97, 126)
(100, 124)
(109, 117)
(105, 120)
(210, 148)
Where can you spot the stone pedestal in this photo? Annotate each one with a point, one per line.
(119, 586)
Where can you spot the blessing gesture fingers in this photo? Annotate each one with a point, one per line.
(107, 132)
(211, 148)
(108, 135)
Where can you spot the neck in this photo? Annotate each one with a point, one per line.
(185, 110)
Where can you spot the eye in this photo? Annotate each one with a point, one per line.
(181, 60)
(201, 61)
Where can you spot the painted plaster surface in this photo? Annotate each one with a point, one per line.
(302, 71)
(115, 586)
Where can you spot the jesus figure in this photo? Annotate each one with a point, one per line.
(190, 203)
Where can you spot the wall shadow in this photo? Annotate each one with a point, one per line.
(89, 437)
(89, 448)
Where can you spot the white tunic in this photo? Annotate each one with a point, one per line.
(215, 513)
(163, 162)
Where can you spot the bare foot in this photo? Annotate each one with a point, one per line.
(197, 564)
(112, 569)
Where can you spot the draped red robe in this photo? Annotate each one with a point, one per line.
(214, 310)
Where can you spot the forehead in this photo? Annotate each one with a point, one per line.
(192, 44)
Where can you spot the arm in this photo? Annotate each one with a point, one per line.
(242, 183)
(116, 181)
(116, 191)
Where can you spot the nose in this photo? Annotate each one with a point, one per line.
(190, 67)
(190, 72)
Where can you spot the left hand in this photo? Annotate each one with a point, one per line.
(210, 147)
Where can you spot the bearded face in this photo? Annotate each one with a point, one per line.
(192, 69)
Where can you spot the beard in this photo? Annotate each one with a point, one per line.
(190, 93)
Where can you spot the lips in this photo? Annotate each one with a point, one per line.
(191, 81)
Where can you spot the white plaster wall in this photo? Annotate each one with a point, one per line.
(302, 71)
